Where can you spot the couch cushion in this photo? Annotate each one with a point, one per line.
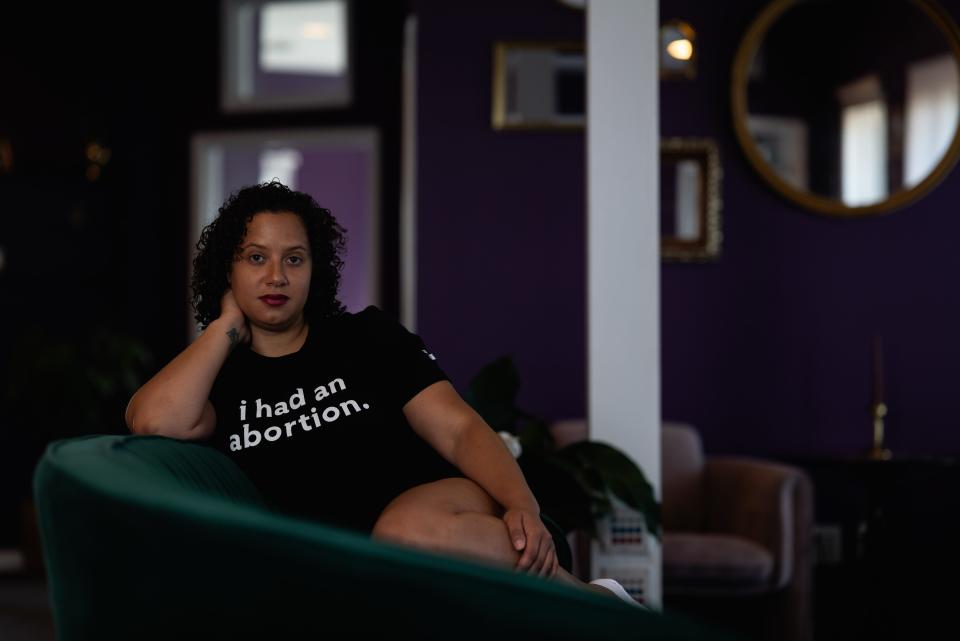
(695, 562)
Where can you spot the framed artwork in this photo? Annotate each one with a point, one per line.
(289, 54)
(339, 168)
(539, 85)
(690, 202)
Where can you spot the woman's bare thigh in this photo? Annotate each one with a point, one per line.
(450, 495)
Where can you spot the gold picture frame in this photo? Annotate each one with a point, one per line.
(538, 85)
(690, 201)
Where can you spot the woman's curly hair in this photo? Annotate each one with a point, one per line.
(219, 246)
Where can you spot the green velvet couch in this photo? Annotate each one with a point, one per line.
(146, 537)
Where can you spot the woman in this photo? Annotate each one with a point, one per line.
(341, 417)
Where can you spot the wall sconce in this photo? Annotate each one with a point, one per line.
(678, 50)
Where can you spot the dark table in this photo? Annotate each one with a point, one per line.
(888, 546)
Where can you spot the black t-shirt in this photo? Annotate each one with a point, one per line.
(321, 432)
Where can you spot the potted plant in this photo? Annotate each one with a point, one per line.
(573, 484)
(60, 386)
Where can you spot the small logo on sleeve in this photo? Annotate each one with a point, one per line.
(431, 356)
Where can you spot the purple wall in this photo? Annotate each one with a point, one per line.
(767, 351)
(341, 178)
(501, 227)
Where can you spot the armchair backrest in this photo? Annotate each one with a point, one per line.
(681, 468)
(681, 465)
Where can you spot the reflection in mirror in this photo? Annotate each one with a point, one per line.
(689, 199)
(834, 116)
(538, 85)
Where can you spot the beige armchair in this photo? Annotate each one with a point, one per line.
(737, 539)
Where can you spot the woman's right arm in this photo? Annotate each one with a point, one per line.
(175, 402)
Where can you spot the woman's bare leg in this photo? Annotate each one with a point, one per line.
(456, 516)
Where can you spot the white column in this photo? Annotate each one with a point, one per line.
(623, 236)
(408, 178)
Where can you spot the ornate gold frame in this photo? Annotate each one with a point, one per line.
(822, 204)
(707, 247)
(499, 108)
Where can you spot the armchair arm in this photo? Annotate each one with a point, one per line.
(765, 502)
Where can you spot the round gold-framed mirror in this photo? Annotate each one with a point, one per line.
(849, 107)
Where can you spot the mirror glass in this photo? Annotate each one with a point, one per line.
(681, 199)
(849, 106)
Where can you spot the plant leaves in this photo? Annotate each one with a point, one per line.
(493, 394)
(92, 375)
(534, 435)
(557, 490)
(620, 475)
(597, 470)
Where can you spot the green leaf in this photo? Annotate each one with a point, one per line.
(93, 375)
(534, 435)
(557, 490)
(649, 507)
(620, 475)
(493, 393)
(599, 470)
(602, 506)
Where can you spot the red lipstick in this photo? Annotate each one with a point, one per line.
(275, 299)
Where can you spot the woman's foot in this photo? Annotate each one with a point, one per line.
(609, 587)
(606, 587)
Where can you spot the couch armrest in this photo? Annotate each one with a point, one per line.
(765, 502)
(123, 541)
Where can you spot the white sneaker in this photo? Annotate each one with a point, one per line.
(617, 589)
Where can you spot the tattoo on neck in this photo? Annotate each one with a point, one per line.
(234, 337)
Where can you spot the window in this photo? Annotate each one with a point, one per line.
(337, 167)
(933, 101)
(863, 143)
(285, 55)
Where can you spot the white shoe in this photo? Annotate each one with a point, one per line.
(617, 589)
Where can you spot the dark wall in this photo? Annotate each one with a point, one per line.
(111, 255)
(769, 350)
(502, 249)
(766, 351)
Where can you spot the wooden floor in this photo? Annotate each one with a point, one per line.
(24, 610)
(24, 605)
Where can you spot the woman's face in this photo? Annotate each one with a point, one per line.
(271, 278)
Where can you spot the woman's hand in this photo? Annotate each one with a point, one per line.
(233, 316)
(528, 533)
